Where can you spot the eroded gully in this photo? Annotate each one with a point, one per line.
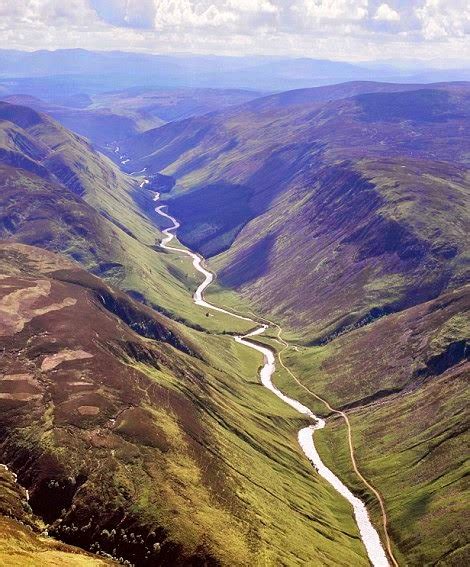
(368, 533)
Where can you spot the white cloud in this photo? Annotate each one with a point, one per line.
(340, 29)
(333, 9)
(184, 13)
(246, 14)
(253, 6)
(10, 9)
(57, 12)
(386, 14)
(444, 18)
(130, 13)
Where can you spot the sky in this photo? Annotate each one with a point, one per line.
(352, 30)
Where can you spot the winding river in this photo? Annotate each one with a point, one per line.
(368, 533)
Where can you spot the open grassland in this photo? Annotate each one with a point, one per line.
(425, 499)
(284, 512)
(19, 547)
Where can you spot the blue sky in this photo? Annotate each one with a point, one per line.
(354, 30)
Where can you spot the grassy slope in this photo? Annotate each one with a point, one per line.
(373, 240)
(158, 440)
(410, 443)
(21, 548)
(53, 166)
(425, 498)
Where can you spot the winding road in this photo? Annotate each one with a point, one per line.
(368, 533)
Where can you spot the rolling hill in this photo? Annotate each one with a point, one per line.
(107, 118)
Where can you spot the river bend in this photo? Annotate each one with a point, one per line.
(368, 533)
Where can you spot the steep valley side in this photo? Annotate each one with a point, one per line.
(135, 439)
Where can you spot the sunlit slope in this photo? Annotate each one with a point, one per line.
(23, 542)
(137, 440)
(37, 143)
(404, 380)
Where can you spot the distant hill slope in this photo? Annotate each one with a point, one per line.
(168, 105)
(109, 117)
(324, 114)
(364, 199)
(100, 126)
(347, 89)
(39, 144)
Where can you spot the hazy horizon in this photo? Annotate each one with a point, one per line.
(402, 63)
(340, 30)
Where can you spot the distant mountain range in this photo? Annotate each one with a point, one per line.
(50, 74)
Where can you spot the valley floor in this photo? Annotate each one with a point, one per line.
(369, 535)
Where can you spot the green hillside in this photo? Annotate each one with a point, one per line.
(135, 437)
